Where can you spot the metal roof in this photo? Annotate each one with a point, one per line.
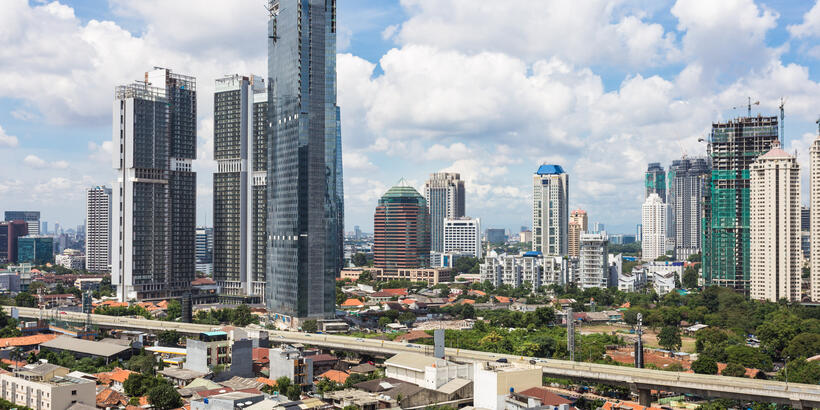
(85, 346)
(549, 170)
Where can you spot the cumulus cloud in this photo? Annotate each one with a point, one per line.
(7, 140)
(810, 27)
(34, 161)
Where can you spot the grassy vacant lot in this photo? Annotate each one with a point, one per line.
(649, 337)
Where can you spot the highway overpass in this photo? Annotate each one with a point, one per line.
(641, 381)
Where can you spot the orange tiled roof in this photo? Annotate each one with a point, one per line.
(163, 304)
(750, 373)
(477, 292)
(467, 302)
(13, 363)
(337, 376)
(352, 302)
(144, 401)
(269, 382)
(26, 340)
(117, 375)
(503, 299)
(407, 301)
(627, 405)
(110, 398)
(396, 292)
(413, 335)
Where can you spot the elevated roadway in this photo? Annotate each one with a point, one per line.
(642, 381)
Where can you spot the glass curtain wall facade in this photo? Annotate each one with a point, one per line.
(687, 178)
(303, 180)
(444, 192)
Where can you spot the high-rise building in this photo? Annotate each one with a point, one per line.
(653, 221)
(687, 181)
(805, 219)
(155, 206)
(495, 235)
(550, 210)
(35, 249)
(774, 229)
(733, 146)
(639, 232)
(577, 224)
(462, 235)
(814, 207)
(10, 231)
(32, 219)
(240, 192)
(305, 198)
(98, 238)
(44, 229)
(204, 248)
(444, 192)
(401, 229)
(593, 261)
(655, 181)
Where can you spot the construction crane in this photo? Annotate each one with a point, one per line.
(749, 106)
(782, 122)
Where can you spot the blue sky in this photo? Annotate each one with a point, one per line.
(487, 89)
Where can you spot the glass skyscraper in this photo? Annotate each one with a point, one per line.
(304, 174)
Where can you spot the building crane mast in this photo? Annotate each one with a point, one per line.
(782, 122)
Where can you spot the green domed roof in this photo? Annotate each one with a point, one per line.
(403, 193)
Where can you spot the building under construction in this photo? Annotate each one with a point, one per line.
(733, 146)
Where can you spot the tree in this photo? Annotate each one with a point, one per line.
(748, 357)
(25, 299)
(174, 310)
(142, 364)
(407, 318)
(801, 371)
(705, 365)
(164, 397)
(669, 338)
(310, 326)
(242, 316)
(137, 384)
(663, 258)
(803, 345)
(168, 338)
(734, 370)
(690, 278)
(359, 259)
(384, 321)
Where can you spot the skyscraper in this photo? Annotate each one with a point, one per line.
(733, 146)
(687, 182)
(577, 224)
(10, 231)
(240, 202)
(304, 185)
(204, 250)
(550, 210)
(32, 219)
(401, 229)
(155, 207)
(462, 235)
(98, 238)
(653, 221)
(814, 219)
(655, 181)
(444, 192)
(774, 229)
(593, 260)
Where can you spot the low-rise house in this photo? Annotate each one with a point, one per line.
(110, 398)
(115, 378)
(360, 399)
(364, 368)
(87, 348)
(180, 377)
(336, 376)
(537, 398)
(56, 393)
(497, 380)
(227, 401)
(425, 371)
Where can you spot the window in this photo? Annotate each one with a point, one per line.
(73, 393)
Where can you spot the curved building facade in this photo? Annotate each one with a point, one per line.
(401, 229)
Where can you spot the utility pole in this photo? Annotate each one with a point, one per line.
(571, 334)
(639, 343)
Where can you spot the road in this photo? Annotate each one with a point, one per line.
(800, 396)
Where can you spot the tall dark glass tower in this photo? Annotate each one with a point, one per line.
(304, 174)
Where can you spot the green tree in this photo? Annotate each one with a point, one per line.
(164, 397)
(142, 364)
(748, 357)
(777, 330)
(242, 316)
(310, 326)
(407, 318)
(734, 370)
(801, 371)
(803, 345)
(25, 299)
(384, 321)
(669, 338)
(168, 338)
(695, 257)
(359, 259)
(705, 365)
(174, 310)
(690, 278)
(137, 384)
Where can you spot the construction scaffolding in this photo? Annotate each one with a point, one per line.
(733, 146)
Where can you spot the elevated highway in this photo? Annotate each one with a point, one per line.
(642, 381)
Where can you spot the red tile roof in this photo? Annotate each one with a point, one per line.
(26, 340)
(546, 397)
(413, 335)
(203, 281)
(626, 405)
(110, 398)
(269, 382)
(396, 292)
(261, 355)
(503, 299)
(117, 375)
(324, 357)
(750, 373)
(477, 292)
(352, 303)
(208, 393)
(335, 376)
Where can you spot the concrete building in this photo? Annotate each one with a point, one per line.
(229, 401)
(70, 259)
(289, 362)
(240, 208)
(212, 349)
(31, 218)
(514, 270)
(444, 193)
(687, 182)
(632, 281)
(305, 187)
(49, 390)
(87, 348)
(462, 235)
(577, 224)
(653, 222)
(154, 136)
(426, 371)
(733, 146)
(593, 261)
(774, 227)
(550, 210)
(525, 236)
(35, 249)
(98, 229)
(495, 235)
(814, 219)
(432, 276)
(655, 181)
(494, 381)
(10, 232)
(401, 230)
(204, 250)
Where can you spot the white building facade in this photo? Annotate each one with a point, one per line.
(463, 235)
(653, 223)
(98, 229)
(593, 261)
(814, 219)
(550, 211)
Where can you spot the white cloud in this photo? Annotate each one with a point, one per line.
(353, 160)
(7, 140)
(102, 153)
(810, 27)
(34, 161)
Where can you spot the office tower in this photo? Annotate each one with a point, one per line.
(155, 206)
(597, 227)
(774, 227)
(639, 233)
(805, 219)
(357, 232)
(58, 230)
(98, 237)
(462, 235)
(444, 192)
(204, 244)
(401, 229)
(32, 219)
(593, 260)
(814, 207)
(577, 224)
(44, 228)
(733, 146)
(35, 249)
(653, 221)
(240, 192)
(10, 231)
(687, 181)
(550, 210)
(655, 181)
(495, 235)
(305, 202)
